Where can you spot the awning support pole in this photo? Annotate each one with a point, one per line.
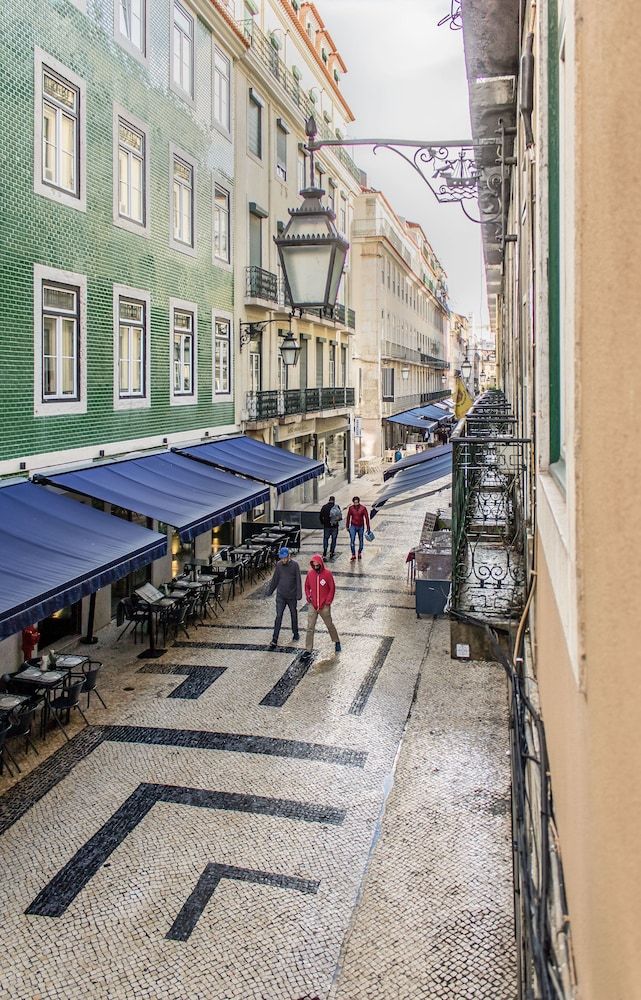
(90, 639)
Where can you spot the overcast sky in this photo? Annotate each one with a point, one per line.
(406, 79)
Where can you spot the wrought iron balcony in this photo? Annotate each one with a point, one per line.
(274, 403)
(351, 319)
(489, 479)
(339, 314)
(261, 284)
(439, 363)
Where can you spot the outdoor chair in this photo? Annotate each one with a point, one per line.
(175, 618)
(5, 753)
(21, 722)
(66, 702)
(131, 612)
(89, 676)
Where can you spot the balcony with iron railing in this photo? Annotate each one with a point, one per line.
(261, 284)
(274, 403)
(266, 286)
(400, 403)
(268, 56)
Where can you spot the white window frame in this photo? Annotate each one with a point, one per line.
(175, 86)
(176, 153)
(42, 61)
(222, 126)
(183, 398)
(227, 317)
(124, 41)
(131, 402)
(281, 167)
(227, 264)
(42, 274)
(123, 222)
(256, 99)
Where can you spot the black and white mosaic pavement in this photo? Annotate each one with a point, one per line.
(221, 832)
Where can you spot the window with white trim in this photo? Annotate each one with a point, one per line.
(281, 150)
(222, 375)
(131, 348)
(183, 202)
(183, 353)
(60, 342)
(342, 215)
(131, 173)
(221, 224)
(255, 125)
(60, 133)
(132, 22)
(222, 89)
(183, 49)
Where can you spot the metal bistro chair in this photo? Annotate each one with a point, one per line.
(68, 700)
(90, 676)
(175, 619)
(5, 753)
(20, 725)
(130, 611)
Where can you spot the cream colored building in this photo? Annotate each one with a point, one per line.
(290, 70)
(403, 321)
(458, 345)
(562, 272)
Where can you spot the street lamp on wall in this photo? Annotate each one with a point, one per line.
(311, 251)
(466, 369)
(289, 349)
(405, 373)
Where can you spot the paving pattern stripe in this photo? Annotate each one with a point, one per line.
(269, 628)
(287, 684)
(63, 888)
(209, 881)
(29, 790)
(362, 695)
(198, 680)
(261, 647)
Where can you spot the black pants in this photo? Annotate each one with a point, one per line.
(330, 533)
(281, 604)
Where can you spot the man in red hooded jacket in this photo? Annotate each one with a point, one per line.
(319, 591)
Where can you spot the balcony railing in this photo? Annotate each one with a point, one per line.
(489, 477)
(261, 284)
(351, 319)
(268, 56)
(274, 403)
(400, 403)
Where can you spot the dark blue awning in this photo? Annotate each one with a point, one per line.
(418, 459)
(433, 412)
(54, 550)
(419, 474)
(248, 457)
(171, 488)
(412, 418)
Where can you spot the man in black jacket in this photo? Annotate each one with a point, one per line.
(287, 584)
(330, 526)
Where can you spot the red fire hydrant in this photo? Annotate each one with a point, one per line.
(30, 639)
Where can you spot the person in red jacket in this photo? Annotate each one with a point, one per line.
(357, 521)
(319, 591)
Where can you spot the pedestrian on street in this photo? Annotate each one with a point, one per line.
(286, 581)
(319, 591)
(357, 521)
(330, 517)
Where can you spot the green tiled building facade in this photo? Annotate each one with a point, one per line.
(74, 94)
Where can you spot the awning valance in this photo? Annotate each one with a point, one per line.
(54, 550)
(248, 457)
(431, 468)
(171, 488)
(418, 459)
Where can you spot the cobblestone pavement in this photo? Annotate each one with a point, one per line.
(235, 827)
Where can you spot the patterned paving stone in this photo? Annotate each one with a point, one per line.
(268, 836)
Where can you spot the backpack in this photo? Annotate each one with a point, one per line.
(335, 515)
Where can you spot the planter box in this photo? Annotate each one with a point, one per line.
(431, 596)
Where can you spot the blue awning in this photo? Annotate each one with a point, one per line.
(419, 474)
(168, 487)
(412, 418)
(54, 550)
(248, 457)
(433, 412)
(418, 459)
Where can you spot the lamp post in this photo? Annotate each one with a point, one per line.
(466, 371)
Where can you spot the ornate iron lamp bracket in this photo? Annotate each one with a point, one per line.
(255, 328)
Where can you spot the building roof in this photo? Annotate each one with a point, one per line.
(291, 14)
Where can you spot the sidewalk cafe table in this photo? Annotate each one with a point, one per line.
(46, 681)
(155, 608)
(9, 702)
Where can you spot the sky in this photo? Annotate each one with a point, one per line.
(406, 79)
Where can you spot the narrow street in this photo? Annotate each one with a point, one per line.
(239, 826)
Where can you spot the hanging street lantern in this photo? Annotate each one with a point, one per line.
(466, 369)
(311, 251)
(405, 373)
(289, 349)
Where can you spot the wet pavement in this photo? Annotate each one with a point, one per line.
(239, 826)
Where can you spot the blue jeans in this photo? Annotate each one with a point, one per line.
(353, 532)
(330, 535)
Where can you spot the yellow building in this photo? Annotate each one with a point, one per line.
(555, 86)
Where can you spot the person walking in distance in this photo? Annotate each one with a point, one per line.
(319, 591)
(286, 581)
(330, 517)
(357, 521)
